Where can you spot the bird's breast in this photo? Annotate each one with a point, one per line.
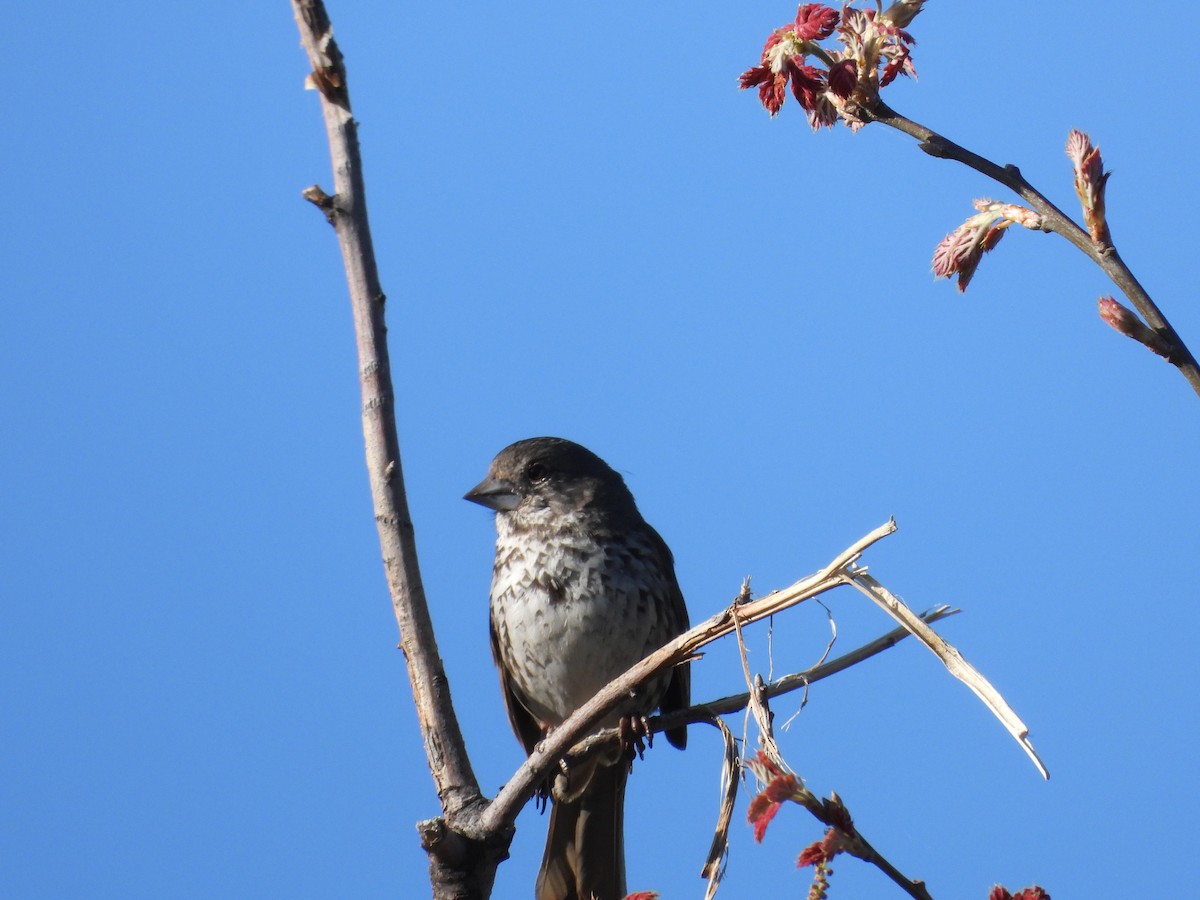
(571, 613)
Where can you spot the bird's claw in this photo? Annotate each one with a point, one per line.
(636, 736)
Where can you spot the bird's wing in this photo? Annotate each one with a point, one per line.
(528, 730)
(679, 690)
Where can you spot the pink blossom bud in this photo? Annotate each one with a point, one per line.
(1126, 321)
(960, 252)
(1090, 180)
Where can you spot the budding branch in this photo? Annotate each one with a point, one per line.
(1055, 221)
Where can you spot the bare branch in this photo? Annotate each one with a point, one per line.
(605, 740)
(788, 683)
(864, 851)
(459, 870)
(712, 869)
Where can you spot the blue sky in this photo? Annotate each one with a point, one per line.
(584, 229)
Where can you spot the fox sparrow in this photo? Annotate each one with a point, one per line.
(582, 589)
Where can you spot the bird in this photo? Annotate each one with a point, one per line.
(582, 589)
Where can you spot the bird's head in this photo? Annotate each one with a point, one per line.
(548, 480)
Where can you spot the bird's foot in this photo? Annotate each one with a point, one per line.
(636, 736)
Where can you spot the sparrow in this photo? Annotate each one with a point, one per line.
(582, 589)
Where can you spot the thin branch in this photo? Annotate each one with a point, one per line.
(952, 660)
(913, 887)
(779, 783)
(736, 702)
(1054, 220)
(346, 210)
(604, 740)
(757, 705)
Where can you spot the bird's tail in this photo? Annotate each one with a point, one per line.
(585, 846)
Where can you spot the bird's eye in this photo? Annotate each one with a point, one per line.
(536, 471)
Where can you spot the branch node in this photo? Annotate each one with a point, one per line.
(316, 195)
(935, 145)
(433, 834)
(330, 82)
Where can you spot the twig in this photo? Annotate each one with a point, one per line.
(780, 784)
(868, 853)
(1054, 220)
(736, 702)
(756, 707)
(605, 739)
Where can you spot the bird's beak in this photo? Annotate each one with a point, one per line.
(494, 493)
